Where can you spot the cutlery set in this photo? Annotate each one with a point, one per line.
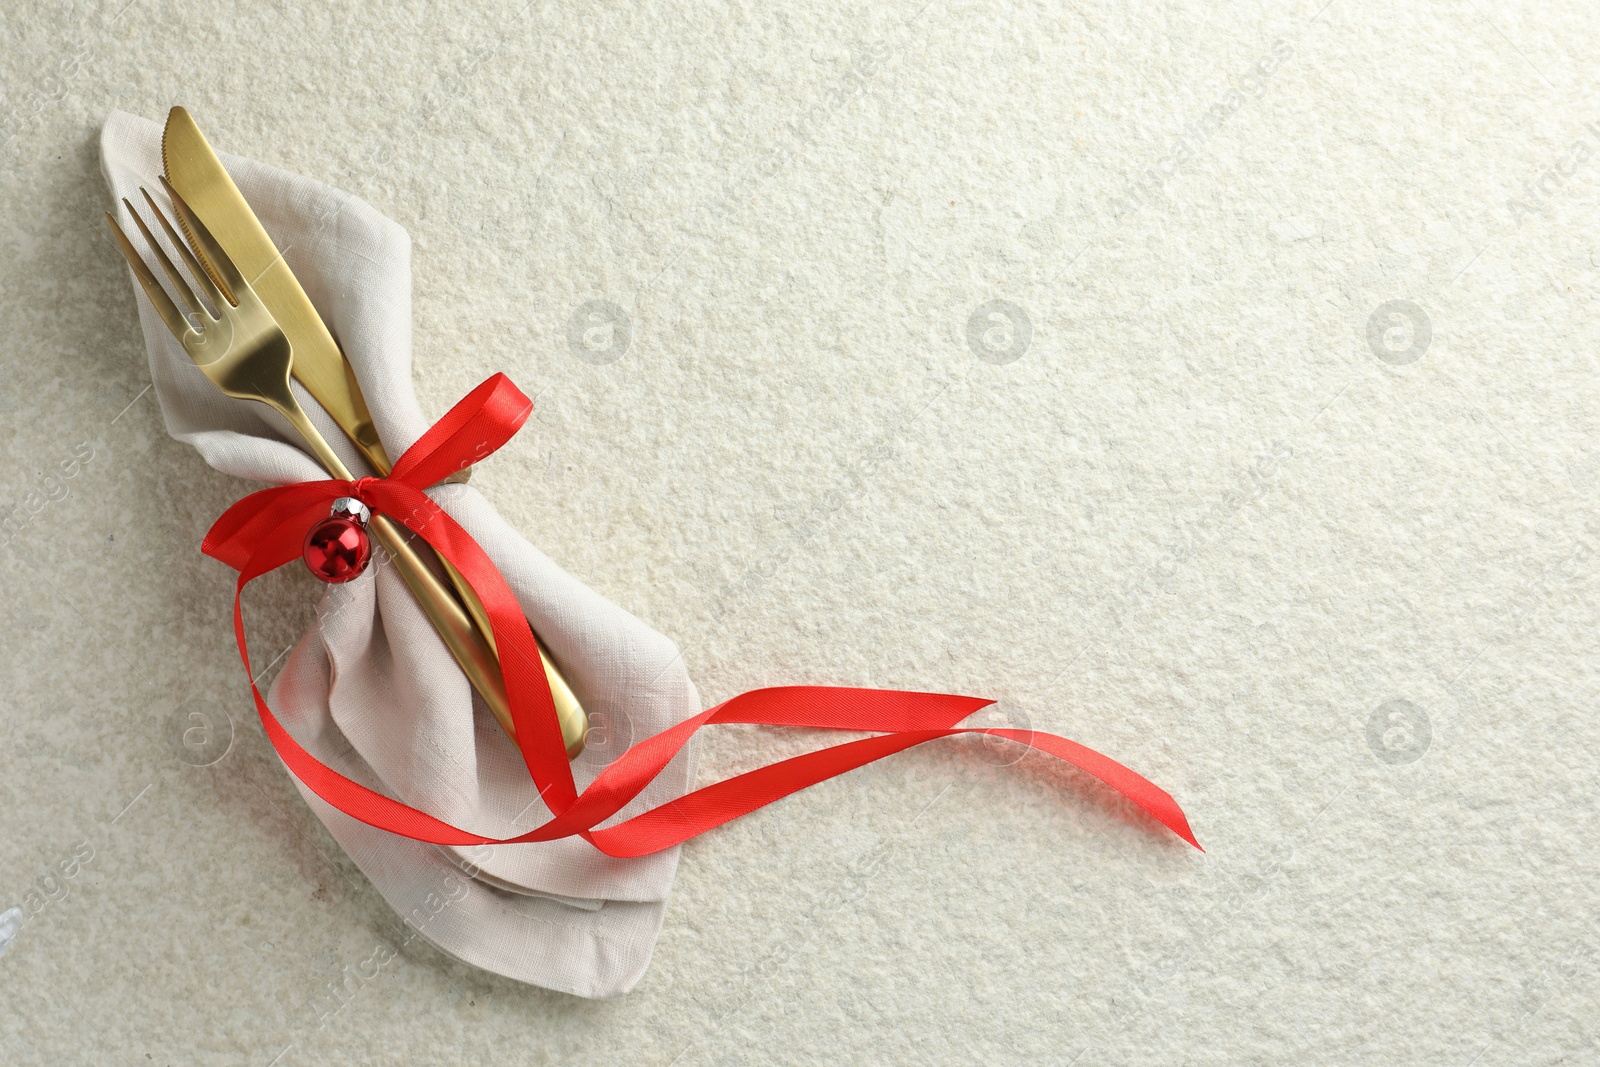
(249, 329)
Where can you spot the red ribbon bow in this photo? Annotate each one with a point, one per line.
(267, 529)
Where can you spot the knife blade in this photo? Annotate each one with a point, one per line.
(198, 175)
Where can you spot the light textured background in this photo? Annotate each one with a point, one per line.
(1207, 521)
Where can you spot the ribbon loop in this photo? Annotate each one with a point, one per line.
(267, 529)
(474, 429)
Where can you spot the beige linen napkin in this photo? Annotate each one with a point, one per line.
(370, 690)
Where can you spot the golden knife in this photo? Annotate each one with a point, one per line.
(319, 365)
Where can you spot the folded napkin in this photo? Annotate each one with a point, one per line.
(371, 690)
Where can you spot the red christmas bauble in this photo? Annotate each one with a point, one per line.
(337, 549)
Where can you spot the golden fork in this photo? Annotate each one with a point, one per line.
(241, 349)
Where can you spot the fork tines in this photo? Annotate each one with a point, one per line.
(198, 314)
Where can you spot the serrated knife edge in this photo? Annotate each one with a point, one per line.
(200, 178)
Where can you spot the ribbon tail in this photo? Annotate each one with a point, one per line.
(1131, 784)
(704, 809)
(266, 529)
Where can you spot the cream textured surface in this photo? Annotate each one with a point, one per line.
(1274, 475)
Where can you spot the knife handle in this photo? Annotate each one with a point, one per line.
(574, 722)
(569, 711)
(356, 422)
(470, 646)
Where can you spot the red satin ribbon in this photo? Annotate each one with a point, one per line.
(267, 529)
